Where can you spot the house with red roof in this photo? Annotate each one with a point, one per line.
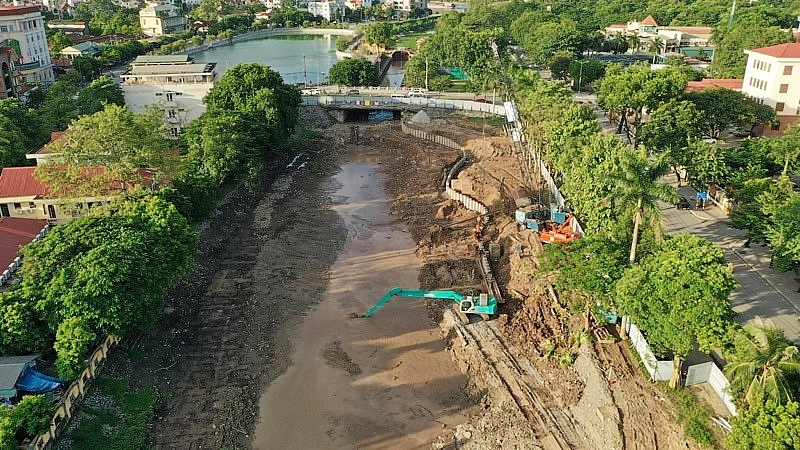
(22, 196)
(772, 77)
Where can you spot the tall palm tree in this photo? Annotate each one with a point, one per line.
(636, 186)
(656, 45)
(764, 357)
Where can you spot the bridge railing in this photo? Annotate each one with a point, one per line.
(379, 102)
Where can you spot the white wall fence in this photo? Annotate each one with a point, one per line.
(453, 194)
(659, 370)
(6, 275)
(380, 99)
(74, 393)
(708, 372)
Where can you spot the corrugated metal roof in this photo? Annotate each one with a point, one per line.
(15, 232)
(11, 367)
(19, 182)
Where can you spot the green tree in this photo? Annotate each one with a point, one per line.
(679, 296)
(221, 147)
(628, 91)
(551, 37)
(110, 267)
(560, 64)
(786, 149)
(21, 330)
(587, 71)
(117, 140)
(729, 57)
(656, 47)
(762, 361)
(58, 109)
(271, 107)
(379, 33)
(636, 187)
(354, 72)
(706, 165)
(756, 204)
(783, 233)
(722, 108)
(771, 426)
(58, 41)
(73, 341)
(97, 94)
(33, 414)
(211, 10)
(8, 441)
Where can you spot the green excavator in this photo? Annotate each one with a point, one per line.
(481, 304)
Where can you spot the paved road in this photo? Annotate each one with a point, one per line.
(762, 291)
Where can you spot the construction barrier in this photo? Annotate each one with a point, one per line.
(74, 393)
(659, 370)
(708, 372)
(453, 194)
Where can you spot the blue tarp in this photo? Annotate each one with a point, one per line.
(36, 382)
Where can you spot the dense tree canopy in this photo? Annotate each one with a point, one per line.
(679, 295)
(23, 132)
(770, 426)
(354, 72)
(97, 94)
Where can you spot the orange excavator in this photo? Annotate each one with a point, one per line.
(559, 233)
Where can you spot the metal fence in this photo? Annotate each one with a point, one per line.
(659, 370)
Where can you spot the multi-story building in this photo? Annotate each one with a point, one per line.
(7, 58)
(173, 83)
(408, 5)
(22, 28)
(772, 77)
(160, 19)
(328, 10)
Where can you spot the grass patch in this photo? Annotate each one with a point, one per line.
(409, 40)
(695, 418)
(118, 418)
(492, 121)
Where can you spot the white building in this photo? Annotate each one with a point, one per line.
(772, 77)
(159, 19)
(329, 10)
(22, 28)
(177, 86)
(355, 5)
(408, 5)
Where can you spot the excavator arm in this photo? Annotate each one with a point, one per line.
(489, 308)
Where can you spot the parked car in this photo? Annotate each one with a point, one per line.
(416, 94)
(481, 100)
(353, 92)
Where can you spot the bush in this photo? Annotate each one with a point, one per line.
(33, 414)
(7, 431)
(73, 339)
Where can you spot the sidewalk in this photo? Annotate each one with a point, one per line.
(762, 290)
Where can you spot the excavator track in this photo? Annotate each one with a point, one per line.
(520, 379)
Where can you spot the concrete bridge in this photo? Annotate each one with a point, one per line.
(356, 108)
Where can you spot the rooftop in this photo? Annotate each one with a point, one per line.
(170, 69)
(15, 232)
(649, 21)
(18, 10)
(19, 182)
(791, 50)
(11, 367)
(162, 59)
(732, 84)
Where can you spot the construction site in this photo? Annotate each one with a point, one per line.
(291, 333)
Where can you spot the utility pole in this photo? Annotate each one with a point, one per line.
(317, 72)
(305, 76)
(426, 73)
(580, 74)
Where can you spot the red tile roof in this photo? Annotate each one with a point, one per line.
(18, 10)
(649, 21)
(733, 84)
(19, 182)
(791, 50)
(13, 233)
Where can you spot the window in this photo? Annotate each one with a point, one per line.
(173, 131)
(171, 113)
(4, 29)
(783, 89)
(169, 96)
(31, 205)
(787, 70)
(779, 106)
(17, 205)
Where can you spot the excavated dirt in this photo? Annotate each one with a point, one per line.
(263, 346)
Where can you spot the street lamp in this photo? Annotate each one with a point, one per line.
(580, 74)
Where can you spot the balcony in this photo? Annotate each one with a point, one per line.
(28, 66)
